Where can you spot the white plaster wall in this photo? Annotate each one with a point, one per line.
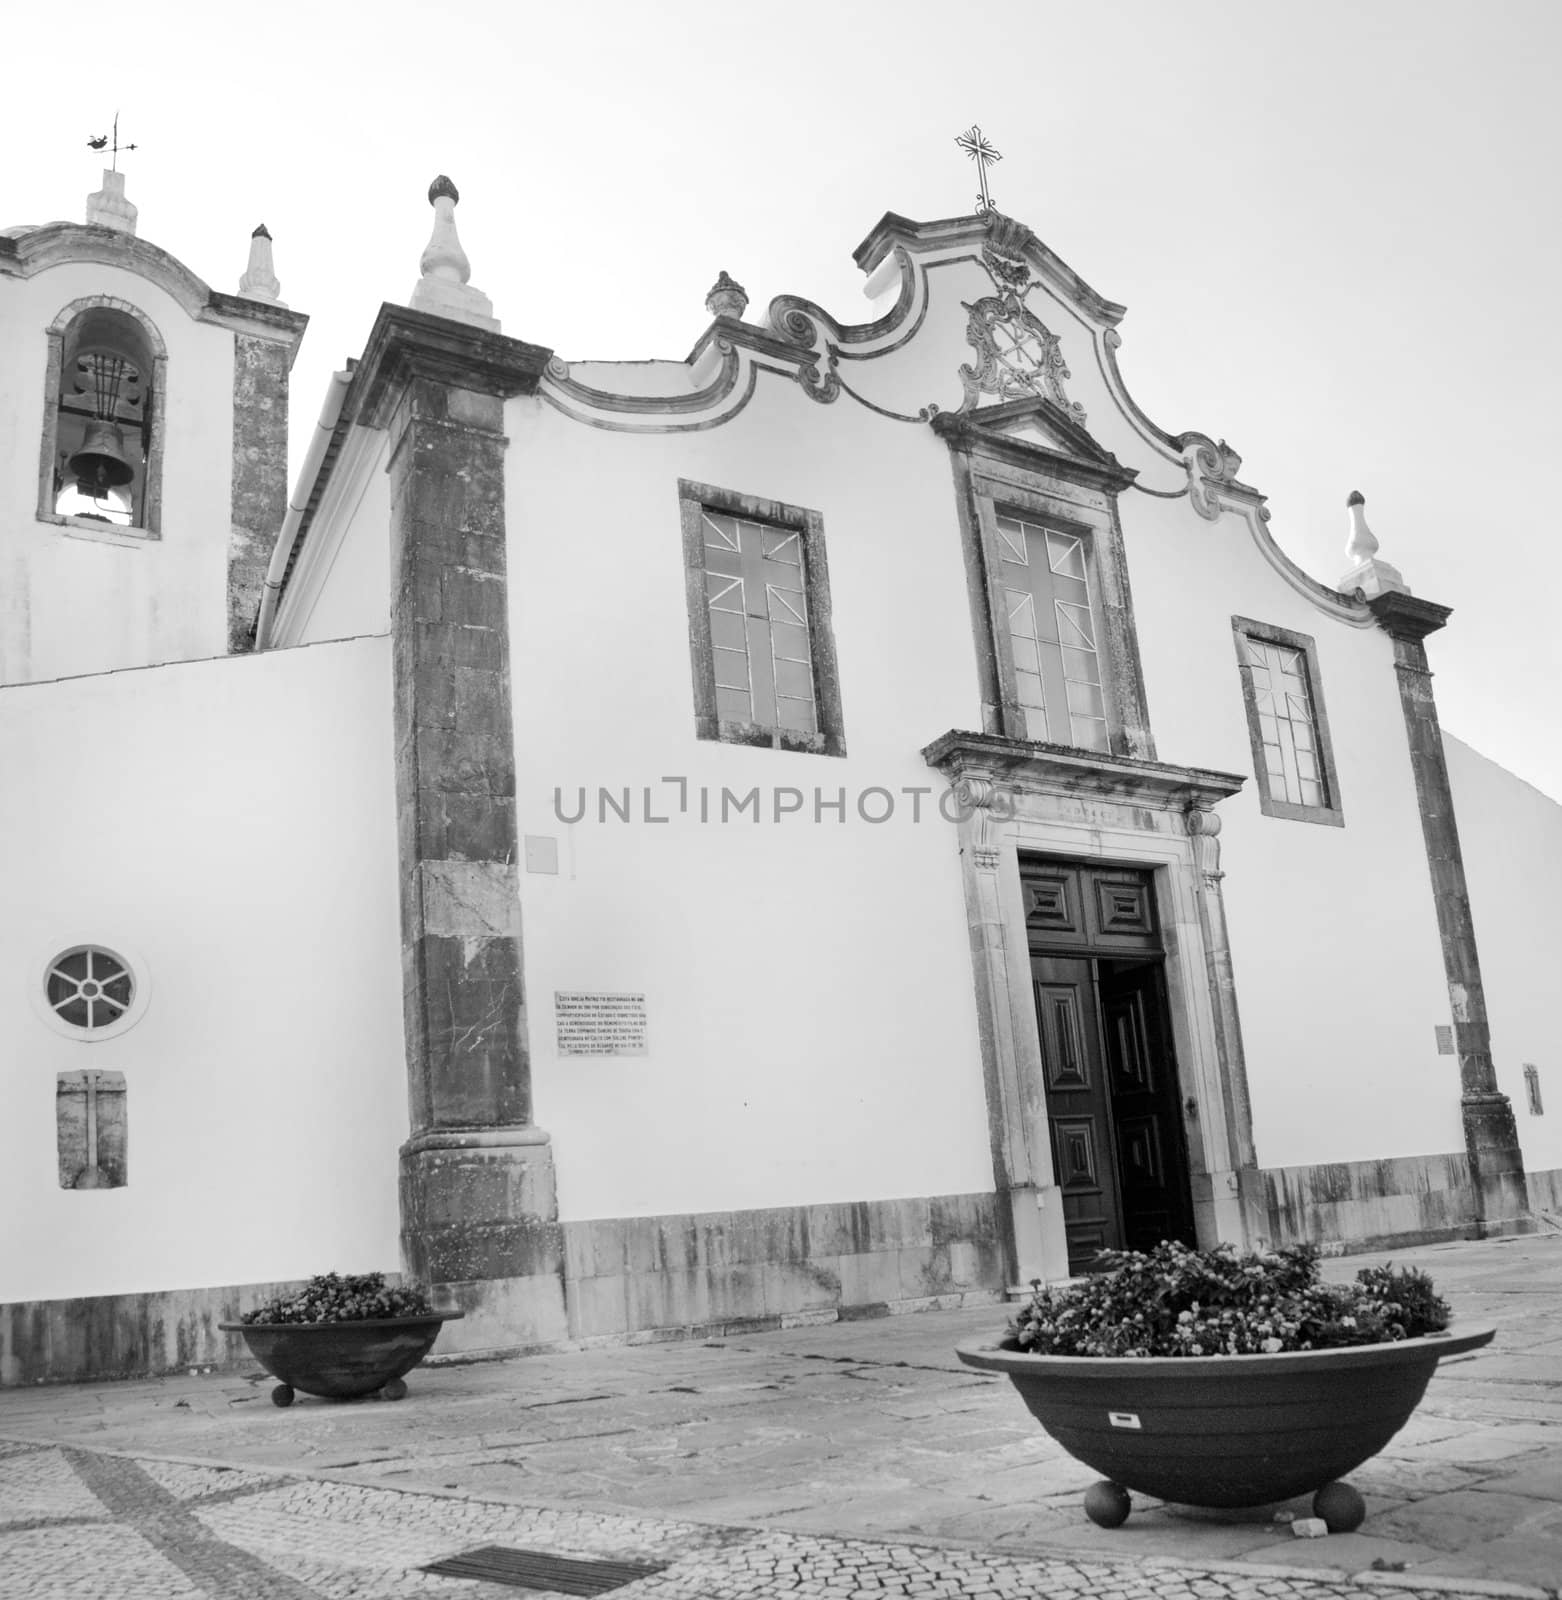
(811, 1011)
(69, 602)
(1333, 930)
(812, 1023)
(341, 584)
(1334, 934)
(1335, 941)
(232, 822)
(1511, 838)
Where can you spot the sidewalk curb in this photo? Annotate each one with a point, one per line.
(1366, 1578)
(1462, 1588)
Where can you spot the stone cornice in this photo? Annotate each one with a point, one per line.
(405, 344)
(1403, 616)
(893, 230)
(56, 244)
(764, 341)
(1054, 769)
(1079, 458)
(260, 319)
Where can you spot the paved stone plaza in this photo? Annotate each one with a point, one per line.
(847, 1459)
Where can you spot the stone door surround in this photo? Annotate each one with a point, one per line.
(1044, 800)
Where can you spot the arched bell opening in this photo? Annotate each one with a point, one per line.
(102, 435)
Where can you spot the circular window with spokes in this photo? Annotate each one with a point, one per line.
(92, 992)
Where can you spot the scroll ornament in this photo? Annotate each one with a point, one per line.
(1211, 467)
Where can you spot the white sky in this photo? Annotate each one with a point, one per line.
(1335, 226)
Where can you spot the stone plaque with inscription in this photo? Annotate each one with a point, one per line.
(599, 1024)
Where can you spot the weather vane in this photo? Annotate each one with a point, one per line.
(110, 142)
(976, 146)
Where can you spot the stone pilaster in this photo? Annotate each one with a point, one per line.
(259, 498)
(1238, 1196)
(479, 1216)
(1030, 1206)
(1490, 1133)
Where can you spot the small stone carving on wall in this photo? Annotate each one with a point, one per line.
(90, 1129)
(1537, 1106)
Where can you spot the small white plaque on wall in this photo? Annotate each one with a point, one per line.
(599, 1024)
(542, 853)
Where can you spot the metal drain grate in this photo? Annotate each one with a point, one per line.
(534, 1569)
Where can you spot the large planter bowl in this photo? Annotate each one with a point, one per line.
(341, 1360)
(1225, 1431)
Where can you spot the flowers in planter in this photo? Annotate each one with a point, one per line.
(354, 1298)
(1177, 1301)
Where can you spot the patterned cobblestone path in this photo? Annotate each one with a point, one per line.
(81, 1525)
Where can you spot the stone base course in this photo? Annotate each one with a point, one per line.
(1372, 1205)
(696, 1275)
(1545, 1192)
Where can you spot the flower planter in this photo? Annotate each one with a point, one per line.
(341, 1360)
(1226, 1431)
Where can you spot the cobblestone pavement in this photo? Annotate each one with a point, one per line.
(829, 1461)
(83, 1525)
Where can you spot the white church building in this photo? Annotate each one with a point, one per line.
(858, 818)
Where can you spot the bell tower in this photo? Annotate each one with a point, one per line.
(143, 461)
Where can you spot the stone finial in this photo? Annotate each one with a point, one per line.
(443, 290)
(1363, 544)
(260, 279)
(726, 298)
(109, 208)
(1371, 576)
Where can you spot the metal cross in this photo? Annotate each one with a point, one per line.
(111, 143)
(975, 145)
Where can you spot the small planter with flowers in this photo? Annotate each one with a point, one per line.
(342, 1337)
(1213, 1378)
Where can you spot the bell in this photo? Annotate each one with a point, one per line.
(101, 463)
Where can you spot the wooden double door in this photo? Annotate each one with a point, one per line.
(1114, 1104)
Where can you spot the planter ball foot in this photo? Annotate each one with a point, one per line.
(1107, 1503)
(282, 1395)
(1340, 1506)
(394, 1390)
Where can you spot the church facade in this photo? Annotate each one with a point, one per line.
(861, 817)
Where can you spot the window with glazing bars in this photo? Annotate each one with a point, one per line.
(1282, 702)
(757, 596)
(1052, 634)
(1287, 724)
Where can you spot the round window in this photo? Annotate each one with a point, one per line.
(91, 990)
